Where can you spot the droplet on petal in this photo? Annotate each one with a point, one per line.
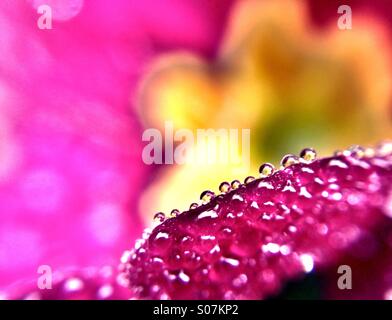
(384, 148)
(235, 184)
(288, 160)
(224, 187)
(308, 154)
(193, 205)
(73, 284)
(307, 262)
(266, 170)
(357, 151)
(369, 152)
(159, 217)
(249, 179)
(174, 213)
(206, 196)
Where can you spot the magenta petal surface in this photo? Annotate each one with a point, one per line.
(244, 244)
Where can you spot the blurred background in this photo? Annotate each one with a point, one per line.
(75, 100)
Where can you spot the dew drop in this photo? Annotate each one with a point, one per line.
(288, 160)
(307, 262)
(241, 280)
(337, 196)
(266, 185)
(224, 187)
(369, 152)
(206, 196)
(285, 250)
(162, 235)
(357, 151)
(159, 217)
(73, 284)
(249, 179)
(308, 154)
(105, 291)
(305, 193)
(193, 205)
(385, 148)
(235, 184)
(271, 247)
(174, 213)
(231, 261)
(292, 228)
(183, 277)
(207, 214)
(266, 170)
(337, 163)
(215, 249)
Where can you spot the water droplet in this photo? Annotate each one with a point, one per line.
(289, 188)
(206, 196)
(285, 250)
(305, 193)
(271, 247)
(266, 185)
(357, 151)
(215, 249)
(337, 153)
(288, 160)
(307, 262)
(207, 214)
(241, 280)
(159, 217)
(193, 205)
(369, 152)
(231, 261)
(105, 291)
(266, 170)
(249, 179)
(337, 196)
(292, 228)
(308, 154)
(183, 277)
(385, 148)
(237, 197)
(235, 184)
(73, 284)
(174, 213)
(337, 163)
(162, 235)
(224, 187)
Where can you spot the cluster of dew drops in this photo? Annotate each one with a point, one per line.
(306, 156)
